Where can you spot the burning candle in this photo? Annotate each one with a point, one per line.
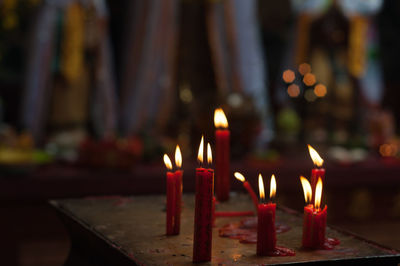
(222, 136)
(248, 187)
(318, 171)
(314, 221)
(202, 239)
(178, 190)
(171, 196)
(266, 233)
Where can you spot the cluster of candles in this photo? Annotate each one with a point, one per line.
(314, 222)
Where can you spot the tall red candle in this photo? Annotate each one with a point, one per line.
(266, 233)
(222, 141)
(318, 171)
(202, 239)
(178, 191)
(248, 187)
(314, 221)
(171, 197)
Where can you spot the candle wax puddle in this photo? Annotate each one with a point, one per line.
(246, 230)
(329, 244)
(281, 252)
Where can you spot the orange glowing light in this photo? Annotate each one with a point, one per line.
(293, 90)
(304, 69)
(178, 157)
(167, 162)
(318, 194)
(239, 176)
(317, 160)
(306, 189)
(201, 148)
(261, 187)
(309, 79)
(272, 187)
(388, 150)
(320, 90)
(288, 76)
(220, 120)
(209, 154)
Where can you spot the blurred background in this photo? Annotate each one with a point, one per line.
(93, 92)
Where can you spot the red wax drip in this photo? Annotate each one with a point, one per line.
(266, 234)
(222, 181)
(171, 203)
(281, 252)
(315, 174)
(253, 195)
(234, 214)
(246, 230)
(202, 238)
(178, 201)
(314, 226)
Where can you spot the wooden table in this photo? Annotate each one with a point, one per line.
(131, 231)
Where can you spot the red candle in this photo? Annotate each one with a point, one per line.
(314, 221)
(266, 233)
(171, 197)
(318, 171)
(202, 240)
(222, 136)
(178, 182)
(248, 187)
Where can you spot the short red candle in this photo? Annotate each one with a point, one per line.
(171, 202)
(266, 233)
(178, 201)
(222, 166)
(314, 226)
(315, 174)
(202, 240)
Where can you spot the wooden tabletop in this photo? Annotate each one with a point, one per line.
(131, 230)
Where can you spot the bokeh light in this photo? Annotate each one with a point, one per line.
(320, 90)
(388, 150)
(309, 79)
(310, 96)
(293, 90)
(288, 76)
(304, 68)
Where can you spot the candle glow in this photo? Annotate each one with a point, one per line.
(201, 148)
(167, 162)
(239, 176)
(318, 194)
(272, 188)
(306, 189)
(178, 157)
(317, 160)
(209, 154)
(261, 187)
(220, 120)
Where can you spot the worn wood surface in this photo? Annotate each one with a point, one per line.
(135, 228)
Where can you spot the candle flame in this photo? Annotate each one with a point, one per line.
(318, 194)
(239, 176)
(317, 160)
(167, 162)
(209, 154)
(306, 189)
(220, 120)
(261, 187)
(201, 148)
(178, 157)
(272, 187)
